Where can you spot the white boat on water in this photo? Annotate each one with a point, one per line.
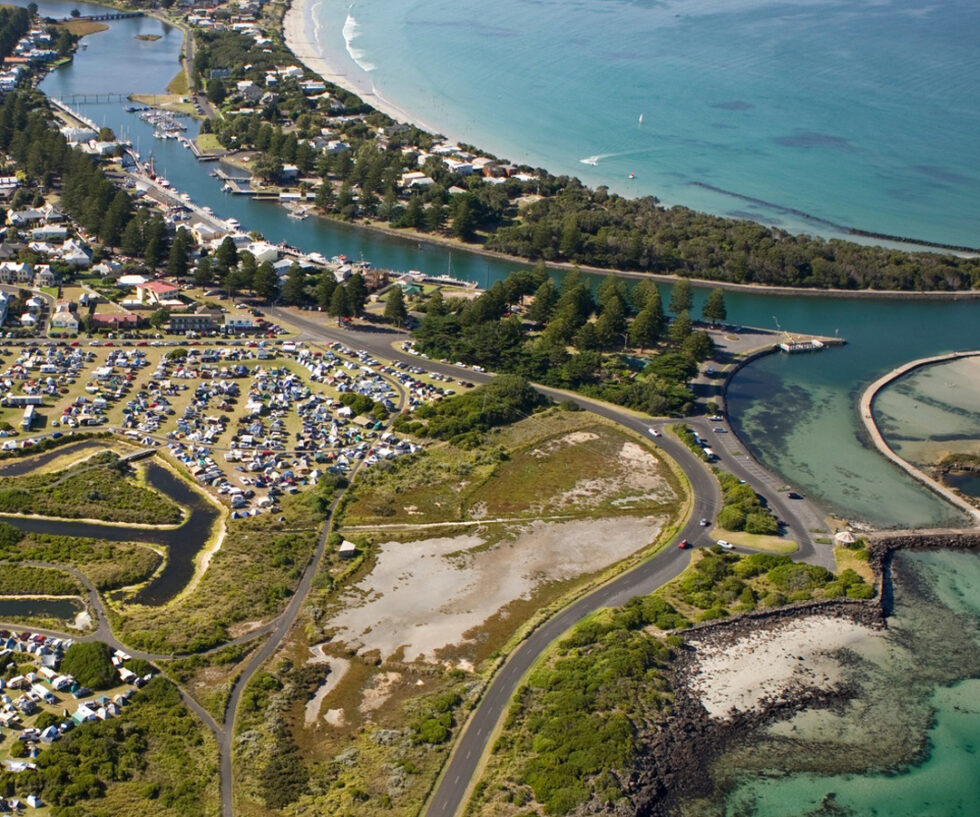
(590, 160)
(299, 215)
(233, 224)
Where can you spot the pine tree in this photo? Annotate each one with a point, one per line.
(680, 327)
(464, 221)
(339, 305)
(681, 298)
(294, 287)
(177, 260)
(543, 306)
(714, 307)
(646, 329)
(264, 281)
(131, 242)
(324, 197)
(324, 289)
(395, 310)
(204, 273)
(437, 305)
(226, 254)
(356, 293)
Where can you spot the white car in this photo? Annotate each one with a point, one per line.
(726, 545)
(654, 432)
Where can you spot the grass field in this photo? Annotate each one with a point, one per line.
(208, 141)
(856, 560)
(81, 28)
(98, 488)
(577, 466)
(411, 626)
(770, 544)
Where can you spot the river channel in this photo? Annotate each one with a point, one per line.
(182, 543)
(797, 414)
(28, 607)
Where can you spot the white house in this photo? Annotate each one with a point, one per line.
(44, 276)
(157, 294)
(76, 254)
(263, 251)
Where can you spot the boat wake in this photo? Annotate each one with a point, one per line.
(594, 160)
(350, 31)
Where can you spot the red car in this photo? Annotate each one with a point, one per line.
(683, 544)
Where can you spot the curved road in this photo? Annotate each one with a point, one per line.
(450, 794)
(642, 579)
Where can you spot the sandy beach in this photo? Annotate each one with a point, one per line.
(764, 665)
(328, 58)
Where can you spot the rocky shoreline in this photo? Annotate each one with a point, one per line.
(679, 749)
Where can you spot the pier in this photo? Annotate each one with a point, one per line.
(197, 153)
(101, 18)
(237, 185)
(70, 112)
(93, 99)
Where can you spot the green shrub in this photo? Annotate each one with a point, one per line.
(761, 523)
(90, 663)
(9, 535)
(732, 518)
(794, 576)
(773, 600)
(758, 563)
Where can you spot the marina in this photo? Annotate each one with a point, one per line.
(813, 390)
(869, 730)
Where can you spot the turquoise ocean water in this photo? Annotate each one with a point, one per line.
(911, 679)
(797, 413)
(863, 114)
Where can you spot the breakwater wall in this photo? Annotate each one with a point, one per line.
(867, 417)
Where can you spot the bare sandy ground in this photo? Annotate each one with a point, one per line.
(764, 664)
(328, 58)
(637, 479)
(379, 691)
(425, 595)
(338, 669)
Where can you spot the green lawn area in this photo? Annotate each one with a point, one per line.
(208, 141)
(577, 466)
(178, 85)
(756, 541)
(98, 488)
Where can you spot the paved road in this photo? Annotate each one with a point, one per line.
(279, 629)
(640, 580)
(451, 792)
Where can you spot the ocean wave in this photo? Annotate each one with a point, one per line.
(350, 31)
